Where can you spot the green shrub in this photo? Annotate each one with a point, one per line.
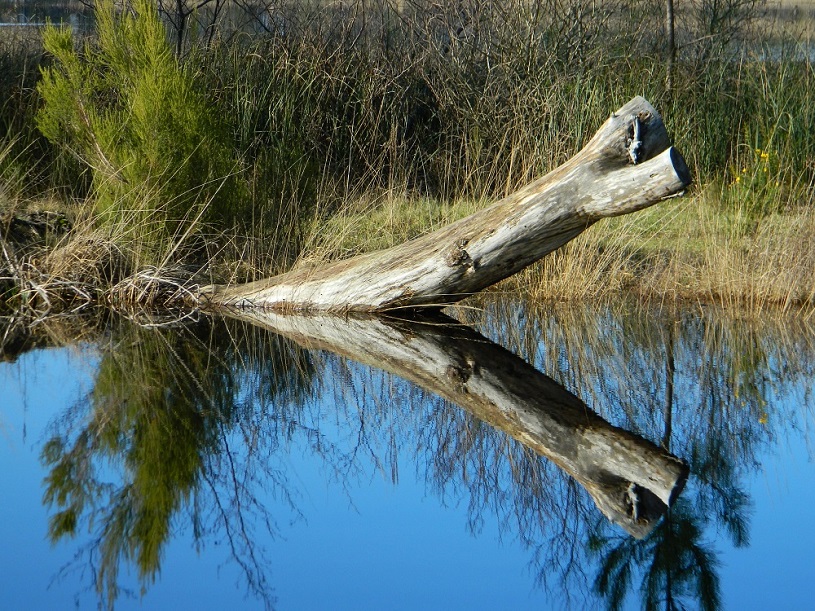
(125, 106)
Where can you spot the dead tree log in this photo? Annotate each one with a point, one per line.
(628, 165)
(631, 480)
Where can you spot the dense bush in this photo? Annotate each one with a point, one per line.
(159, 155)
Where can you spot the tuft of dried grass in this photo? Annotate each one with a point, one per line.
(74, 274)
(155, 287)
(90, 258)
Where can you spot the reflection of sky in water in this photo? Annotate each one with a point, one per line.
(371, 544)
(777, 569)
(376, 546)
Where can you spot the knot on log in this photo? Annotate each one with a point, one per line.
(459, 372)
(457, 255)
(456, 375)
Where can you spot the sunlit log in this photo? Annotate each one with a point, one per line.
(628, 165)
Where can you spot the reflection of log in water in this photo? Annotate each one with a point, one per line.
(631, 480)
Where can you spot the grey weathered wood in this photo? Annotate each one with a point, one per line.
(631, 480)
(628, 165)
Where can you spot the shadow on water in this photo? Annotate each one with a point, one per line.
(185, 422)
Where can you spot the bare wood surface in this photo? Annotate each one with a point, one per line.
(631, 480)
(628, 165)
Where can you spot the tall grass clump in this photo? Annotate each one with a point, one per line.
(129, 111)
(474, 100)
(20, 59)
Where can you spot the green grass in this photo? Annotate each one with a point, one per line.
(378, 222)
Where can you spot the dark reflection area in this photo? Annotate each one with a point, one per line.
(19, 335)
(187, 418)
(715, 389)
(676, 566)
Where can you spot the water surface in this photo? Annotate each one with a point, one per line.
(221, 463)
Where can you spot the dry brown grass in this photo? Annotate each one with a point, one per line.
(688, 249)
(68, 277)
(791, 18)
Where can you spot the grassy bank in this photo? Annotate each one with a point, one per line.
(321, 131)
(693, 248)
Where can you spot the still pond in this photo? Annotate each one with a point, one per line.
(506, 457)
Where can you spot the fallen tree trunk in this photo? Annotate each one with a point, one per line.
(628, 165)
(631, 480)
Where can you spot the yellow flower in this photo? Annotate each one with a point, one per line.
(738, 178)
(765, 155)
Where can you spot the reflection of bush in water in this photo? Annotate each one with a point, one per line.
(166, 407)
(675, 563)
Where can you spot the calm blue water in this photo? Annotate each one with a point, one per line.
(274, 476)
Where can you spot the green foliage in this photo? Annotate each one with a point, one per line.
(125, 106)
(675, 564)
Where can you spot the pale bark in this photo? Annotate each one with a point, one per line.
(628, 165)
(631, 480)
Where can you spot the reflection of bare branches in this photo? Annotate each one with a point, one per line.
(237, 397)
(253, 569)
